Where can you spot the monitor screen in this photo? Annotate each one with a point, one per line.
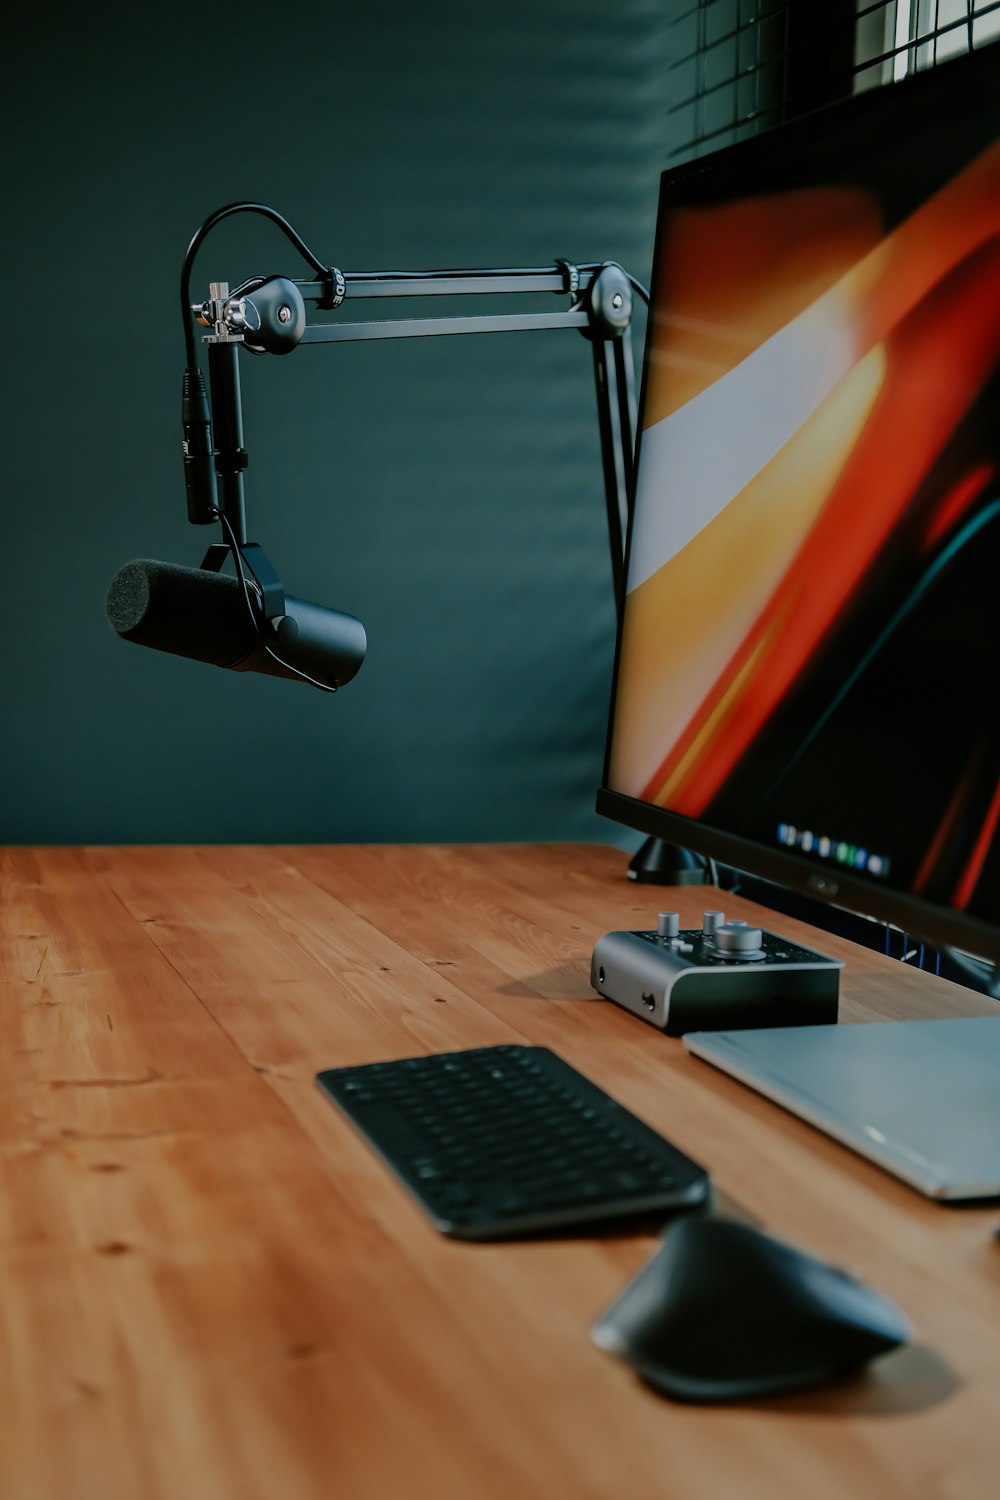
(807, 678)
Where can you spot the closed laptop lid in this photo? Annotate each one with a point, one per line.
(920, 1098)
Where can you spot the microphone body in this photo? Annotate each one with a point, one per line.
(203, 615)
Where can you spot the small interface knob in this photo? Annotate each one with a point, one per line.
(668, 924)
(738, 938)
(712, 922)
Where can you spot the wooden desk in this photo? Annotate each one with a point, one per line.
(211, 1288)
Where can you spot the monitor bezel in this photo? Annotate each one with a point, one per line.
(941, 925)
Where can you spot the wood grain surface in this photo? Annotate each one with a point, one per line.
(212, 1289)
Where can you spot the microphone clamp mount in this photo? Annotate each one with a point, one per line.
(261, 575)
(267, 316)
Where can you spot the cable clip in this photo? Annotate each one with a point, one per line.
(334, 289)
(571, 276)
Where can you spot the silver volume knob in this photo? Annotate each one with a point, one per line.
(713, 920)
(668, 924)
(738, 939)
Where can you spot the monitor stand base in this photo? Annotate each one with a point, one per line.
(660, 863)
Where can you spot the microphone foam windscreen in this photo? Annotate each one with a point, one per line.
(187, 611)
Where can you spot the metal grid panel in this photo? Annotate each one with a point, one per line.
(742, 66)
(730, 71)
(898, 37)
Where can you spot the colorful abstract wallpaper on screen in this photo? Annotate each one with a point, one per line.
(810, 653)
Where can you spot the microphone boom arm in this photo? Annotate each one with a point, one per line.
(268, 315)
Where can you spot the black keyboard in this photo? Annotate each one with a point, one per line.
(502, 1141)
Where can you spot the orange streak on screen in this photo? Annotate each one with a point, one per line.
(967, 884)
(945, 231)
(955, 328)
(956, 502)
(684, 622)
(946, 825)
(725, 705)
(735, 274)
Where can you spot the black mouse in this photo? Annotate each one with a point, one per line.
(723, 1312)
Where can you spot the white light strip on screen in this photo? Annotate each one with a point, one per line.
(696, 460)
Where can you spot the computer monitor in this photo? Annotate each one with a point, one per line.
(807, 676)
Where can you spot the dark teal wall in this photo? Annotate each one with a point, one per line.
(447, 491)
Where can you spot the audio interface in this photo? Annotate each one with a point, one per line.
(724, 976)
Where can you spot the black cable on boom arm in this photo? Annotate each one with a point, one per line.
(196, 243)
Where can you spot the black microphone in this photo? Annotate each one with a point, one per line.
(203, 615)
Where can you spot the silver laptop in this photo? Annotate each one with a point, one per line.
(920, 1098)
